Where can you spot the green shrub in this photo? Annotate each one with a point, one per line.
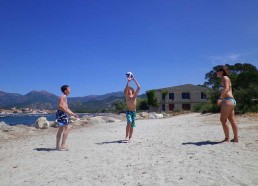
(198, 107)
(209, 108)
(206, 108)
(176, 110)
(119, 106)
(142, 104)
(151, 97)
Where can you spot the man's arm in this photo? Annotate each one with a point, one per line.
(127, 87)
(63, 107)
(138, 87)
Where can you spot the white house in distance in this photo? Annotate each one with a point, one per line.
(180, 98)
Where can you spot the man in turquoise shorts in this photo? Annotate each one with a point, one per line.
(131, 97)
(131, 117)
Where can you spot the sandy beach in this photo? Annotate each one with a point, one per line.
(181, 150)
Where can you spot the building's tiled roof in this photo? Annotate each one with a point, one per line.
(186, 87)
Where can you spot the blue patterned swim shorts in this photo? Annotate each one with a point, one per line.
(62, 118)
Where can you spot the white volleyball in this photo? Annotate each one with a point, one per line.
(129, 75)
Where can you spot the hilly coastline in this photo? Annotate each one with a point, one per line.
(45, 100)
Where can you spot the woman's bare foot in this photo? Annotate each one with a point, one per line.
(234, 140)
(225, 140)
(126, 138)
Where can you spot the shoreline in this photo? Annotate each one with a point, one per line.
(9, 132)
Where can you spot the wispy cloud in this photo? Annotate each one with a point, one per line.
(229, 59)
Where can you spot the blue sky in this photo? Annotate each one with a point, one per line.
(91, 44)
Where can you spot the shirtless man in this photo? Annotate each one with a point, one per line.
(131, 96)
(63, 119)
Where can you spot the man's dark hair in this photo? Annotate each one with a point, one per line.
(64, 88)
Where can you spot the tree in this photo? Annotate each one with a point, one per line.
(119, 106)
(142, 104)
(244, 80)
(235, 70)
(151, 97)
(164, 93)
(245, 99)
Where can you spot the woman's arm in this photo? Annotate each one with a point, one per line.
(226, 84)
(225, 90)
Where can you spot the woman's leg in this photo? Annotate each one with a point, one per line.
(232, 120)
(226, 109)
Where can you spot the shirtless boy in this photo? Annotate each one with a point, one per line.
(131, 96)
(63, 119)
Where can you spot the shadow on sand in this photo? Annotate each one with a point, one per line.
(201, 143)
(45, 149)
(108, 142)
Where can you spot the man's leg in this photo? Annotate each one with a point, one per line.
(65, 135)
(131, 132)
(58, 137)
(132, 125)
(128, 126)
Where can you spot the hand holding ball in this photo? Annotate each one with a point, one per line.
(129, 75)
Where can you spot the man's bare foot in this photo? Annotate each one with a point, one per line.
(126, 138)
(234, 140)
(63, 147)
(130, 139)
(225, 140)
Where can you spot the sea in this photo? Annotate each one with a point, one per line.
(29, 119)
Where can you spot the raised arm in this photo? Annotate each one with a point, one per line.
(138, 87)
(127, 87)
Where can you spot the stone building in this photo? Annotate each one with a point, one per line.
(180, 98)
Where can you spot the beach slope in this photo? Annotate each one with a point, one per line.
(181, 150)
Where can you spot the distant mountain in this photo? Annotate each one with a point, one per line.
(94, 103)
(97, 97)
(34, 99)
(46, 100)
(8, 98)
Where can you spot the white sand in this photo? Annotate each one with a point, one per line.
(181, 150)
